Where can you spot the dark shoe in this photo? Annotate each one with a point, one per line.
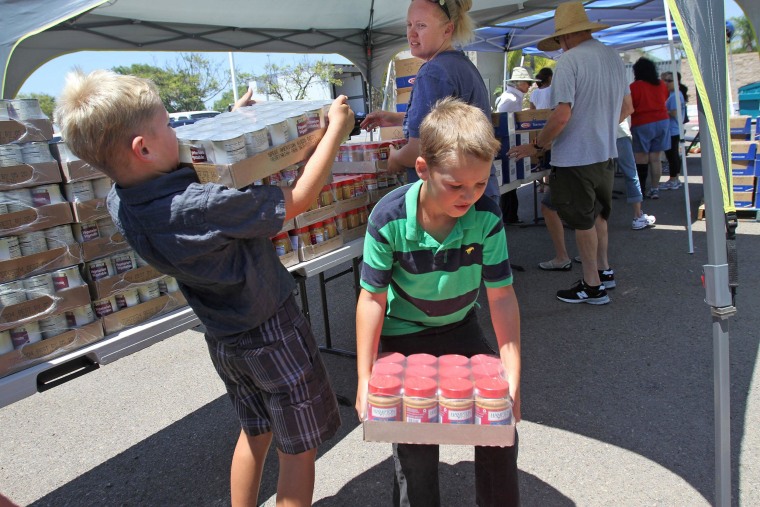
(607, 277)
(551, 266)
(582, 293)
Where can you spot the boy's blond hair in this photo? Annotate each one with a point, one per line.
(453, 129)
(100, 113)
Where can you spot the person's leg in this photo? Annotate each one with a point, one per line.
(600, 226)
(295, 485)
(415, 482)
(509, 205)
(587, 247)
(496, 479)
(627, 164)
(557, 235)
(655, 169)
(247, 465)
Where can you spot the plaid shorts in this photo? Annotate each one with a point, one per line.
(277, 381)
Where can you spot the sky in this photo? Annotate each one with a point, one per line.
(49, 77)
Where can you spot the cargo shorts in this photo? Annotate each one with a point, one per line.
(581, 193)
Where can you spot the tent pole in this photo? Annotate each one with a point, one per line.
(679, 118)
(234, 80)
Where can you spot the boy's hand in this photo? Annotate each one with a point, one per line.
(377, 119)
(361, 399)
(244, 100)
(341, 116)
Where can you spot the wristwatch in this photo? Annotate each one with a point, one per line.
(536, 146)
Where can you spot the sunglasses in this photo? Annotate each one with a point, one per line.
(442, 4)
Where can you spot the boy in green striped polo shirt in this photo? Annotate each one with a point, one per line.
(428, 247)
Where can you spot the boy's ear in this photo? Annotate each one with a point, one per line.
(421, 166)
(140, 148)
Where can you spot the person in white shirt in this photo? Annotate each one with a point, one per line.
(541, 97)
(511, 100)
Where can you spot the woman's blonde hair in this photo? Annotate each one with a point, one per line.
(100, 113)
(453, 129)
(458, 15)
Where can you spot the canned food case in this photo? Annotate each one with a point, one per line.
(43, 306)
(138, 314)
(29, 265)
(26, 175)
(35, 219)
(442, 434)
(25, 131)
(108, 286)
(72, 168)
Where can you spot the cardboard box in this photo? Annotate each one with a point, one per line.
(353, 203)
(43, 307)
(434, 433)
(89, 211)
(101, 247)
(289, 259)
(24, 175)
(35, 219)
(261, 165)
(376, 195)
(743, 183)
(35, 353)
(531, 119)
(42, 262)
(391, 133)
(743, 150)
(72, 168)
(314, 216)
(354, 234)
(499, 172)
(104, 287)
(513, 170)
(366, 167)
(25, 131)
(288, 225)
(405, 70)
(402, 101)
(309, 252)
(744, 199)
(743, 168)
(138, 314)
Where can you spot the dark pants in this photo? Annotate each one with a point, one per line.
(674, 159)
(415, 481)
(509, 204)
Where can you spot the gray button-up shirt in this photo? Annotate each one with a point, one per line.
(214, 240)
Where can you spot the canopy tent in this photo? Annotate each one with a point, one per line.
(35, 31)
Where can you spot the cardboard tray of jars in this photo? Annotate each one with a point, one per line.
(437, 433)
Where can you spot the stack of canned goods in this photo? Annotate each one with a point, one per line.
(352, 218)
(450, 389)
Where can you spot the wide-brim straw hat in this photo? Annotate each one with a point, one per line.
(520, 74)
(569, 17)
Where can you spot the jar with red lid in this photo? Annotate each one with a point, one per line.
(282, 244)
(384, 400)
(353, 218)
(484, 358)
(337, 190)
(326, 196)
(357, 153)
(420, 403)
(363, 215)
(372, 152)
(455, 400)
(454, 372)
(348, 188)
(453, 360)
(487, 370)
(493, 406)
(391, 357)
(331, 229)
(395, 369)
(317, 233)
(341, 221)
(427, 359)
(370, 180)
(384, 150)
(421, 370)
(304, 238)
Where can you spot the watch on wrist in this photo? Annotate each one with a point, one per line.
(536, 146)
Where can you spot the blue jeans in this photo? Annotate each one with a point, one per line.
(627, 165)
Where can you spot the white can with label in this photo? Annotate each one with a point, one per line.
(39, 285)
(59, 236)
(168, 284)
(6, 344)
(256, 141)
(25, 334)
(9, 248)
(19, 199)
(67, 278)
(124, 261)
(229, 148)
(105, 306)
(79, 191)
(36, 153)
(148, 291)
(278, 132)
(80, 316)
(10, 155)
(99, 268)
(32, 243)
(46, 194)
(106, 227)
(12, 293)
(101, 187)
(85, 231)
(53, 326)
(127, 298)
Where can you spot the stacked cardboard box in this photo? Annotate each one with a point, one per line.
(744, 160)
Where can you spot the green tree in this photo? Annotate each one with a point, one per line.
(184, 86)
(47, 102)
(292, 82)
(227, 98)
(745, 35)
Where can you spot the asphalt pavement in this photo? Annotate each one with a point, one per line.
(617, 400)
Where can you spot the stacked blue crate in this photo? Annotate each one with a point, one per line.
(744, 163)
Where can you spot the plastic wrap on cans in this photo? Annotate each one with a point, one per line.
(4, 113)
(99, 268)
(148, 291)
(278, 131)
(256, 140)
(80, 316)
(66, 278)
(10, 155)
(106, 227)
(6, 344)
(79, 191)
(53, 326)
(36, 153)
(101, 187)
(26, 333)
(127, 298)
(124, 261)
(32, 243)
(59, 236)
(19, 199)
(105, 306)
(39, 285)
(9, 248)
(26, 109)
(85, 231)
(228, 147)
(12, 293)
(168, 284)
(298, 125)
(46, 194)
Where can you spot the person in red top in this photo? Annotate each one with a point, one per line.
(649, 123)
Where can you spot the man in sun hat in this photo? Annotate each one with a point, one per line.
(511, 100)
(590, 97)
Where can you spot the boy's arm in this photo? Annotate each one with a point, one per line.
(370, 312)
(505, 317)
(305, 190)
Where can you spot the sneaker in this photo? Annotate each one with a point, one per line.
(671, 185)
(582, 293)
(643, 222)
(654, 193)
(607, 277)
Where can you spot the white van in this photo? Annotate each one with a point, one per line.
(187, 117)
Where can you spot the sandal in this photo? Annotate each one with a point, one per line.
(551, 266)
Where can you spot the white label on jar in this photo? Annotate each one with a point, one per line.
(46, 194)
(60, 236)
(80, 316)
(9, 248)
(123, 262)
(127, 298)
(39, 285)
(19, 199)
(12, 293)
(86, 231)
(100, 268)
(53, 326)
(28, 333)
(10, 155)
(36, 153)
(79, 191)
(105, 306)
(148, 291)
(32, 243)
(256, 141)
